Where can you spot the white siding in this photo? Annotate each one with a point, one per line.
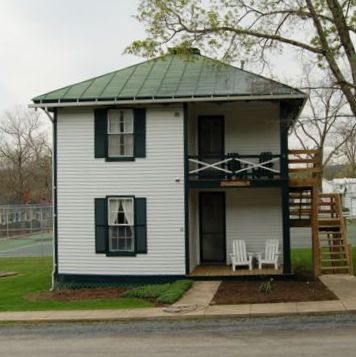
(250, 128)
(81, 178)
(252, 214)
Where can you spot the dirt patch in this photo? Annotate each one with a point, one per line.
(248, 292)
(79, 294)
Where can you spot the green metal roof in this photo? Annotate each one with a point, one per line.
(170, 76)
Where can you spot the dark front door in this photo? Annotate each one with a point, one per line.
(211, 142)
(212, 227)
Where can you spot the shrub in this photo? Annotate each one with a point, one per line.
(147, 291)
(162, 293)
(266, 287)
(175, 291)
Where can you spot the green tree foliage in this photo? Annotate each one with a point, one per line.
(323, 29)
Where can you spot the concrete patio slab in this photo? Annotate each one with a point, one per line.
(201, 294)
(344, 287)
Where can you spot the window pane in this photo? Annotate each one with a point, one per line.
(120, 121)
(120, 145)
(121, 239)
(114, 121)
(114, 145)
(121, 211)
(128, 145)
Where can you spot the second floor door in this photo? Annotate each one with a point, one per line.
(211, 142)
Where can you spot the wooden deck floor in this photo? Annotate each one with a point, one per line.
(226, 270)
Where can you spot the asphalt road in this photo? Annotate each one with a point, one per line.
(303, 336)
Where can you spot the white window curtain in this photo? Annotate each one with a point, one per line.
(114, 209)
(127, 206)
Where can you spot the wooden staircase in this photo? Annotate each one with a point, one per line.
(323, 213)
(335, 254)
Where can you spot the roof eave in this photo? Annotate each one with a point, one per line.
(59, 104)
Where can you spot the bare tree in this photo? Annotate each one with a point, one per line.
(25, 156)
(348, 150)
(324, 29)
(320, 125)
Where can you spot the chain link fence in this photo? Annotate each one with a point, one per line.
(26, 230)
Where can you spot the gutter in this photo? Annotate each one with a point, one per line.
(53, 119)
(59, 104)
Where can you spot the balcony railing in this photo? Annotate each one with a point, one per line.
(304, 165)
(234, 166)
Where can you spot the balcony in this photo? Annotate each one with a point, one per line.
(264, 169)
(235, 170)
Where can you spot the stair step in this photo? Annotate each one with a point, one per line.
(329, 221)
(333, 253)
(343, 267)
(333, 260)
(327, 234)
(299, 211)
(326, 238)
(332, 244)
(333, 247)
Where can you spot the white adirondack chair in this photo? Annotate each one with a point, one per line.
(271, 254)
(240, 257)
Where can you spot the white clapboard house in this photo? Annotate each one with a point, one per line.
(160, 166)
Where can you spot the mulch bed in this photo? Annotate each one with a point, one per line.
(247, 292)
(79, 294)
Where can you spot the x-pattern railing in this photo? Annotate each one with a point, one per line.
(244, 165)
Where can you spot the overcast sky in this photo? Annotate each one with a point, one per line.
(48, 44)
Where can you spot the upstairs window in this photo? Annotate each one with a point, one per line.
(120, 133)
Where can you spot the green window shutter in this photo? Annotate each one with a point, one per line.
(100, 225)
(100, 117)
(140, 225)
(140, 132)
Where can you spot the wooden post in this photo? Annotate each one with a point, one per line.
(284, 125)
(350, 260)
(315, 231)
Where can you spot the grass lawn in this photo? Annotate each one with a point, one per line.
(351, 230)
(34, 277)
(302, 260)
